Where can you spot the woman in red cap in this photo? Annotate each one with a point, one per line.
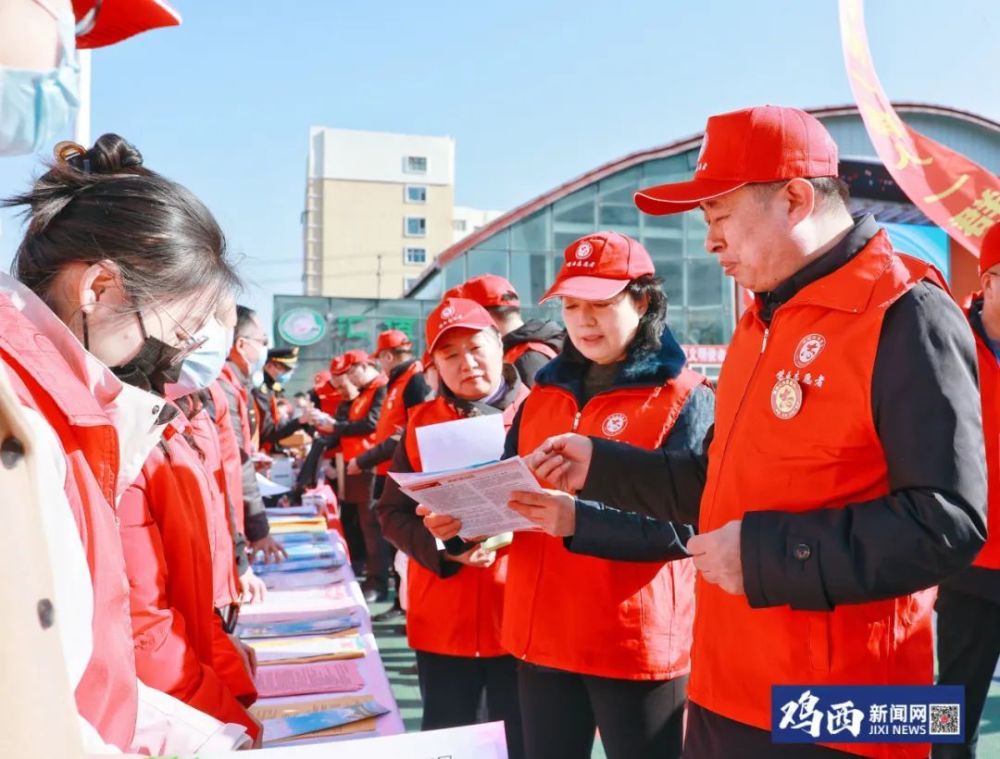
(604, 643)
(455, 595)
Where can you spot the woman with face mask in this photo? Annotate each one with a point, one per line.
(116, 280)
(604, 644)
(455, 596)
(174, 524)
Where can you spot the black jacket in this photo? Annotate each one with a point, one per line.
(416, 391)
(608, 532)
(534, 331)
(926, 410)
(397, 511)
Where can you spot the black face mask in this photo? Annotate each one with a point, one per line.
(155, 366)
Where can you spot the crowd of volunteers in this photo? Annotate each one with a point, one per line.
(696, 543)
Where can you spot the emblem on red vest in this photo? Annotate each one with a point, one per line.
(808, 348)
(786, 398)
(614, 424)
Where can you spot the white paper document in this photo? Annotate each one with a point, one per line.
(461, 443)
(269, 488)
(477, 495)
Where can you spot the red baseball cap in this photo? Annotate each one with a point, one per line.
(989, 251)
(599, 266)
(390, 339)
(321, 378)
(456, 313)
(105, 22)
(341, 364)
(767, 143)
(488, 290)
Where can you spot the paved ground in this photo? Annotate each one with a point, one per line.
(399, 663)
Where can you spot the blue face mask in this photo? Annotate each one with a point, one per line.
(284, 377)
(37, 106)
(203, 365)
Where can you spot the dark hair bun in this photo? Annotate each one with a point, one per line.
(113, 154)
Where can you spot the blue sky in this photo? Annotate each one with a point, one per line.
(534, 92)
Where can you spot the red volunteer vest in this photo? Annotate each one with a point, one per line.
(457, 615)
(989, 389)
(521, 348)
(825, 456)
(329, 399)
(393, 416)
(627, 620)
(106, 696)
(354, 445)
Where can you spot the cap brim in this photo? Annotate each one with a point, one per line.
(682, 196)
(119, 20)
(473, 327)
(585, 288)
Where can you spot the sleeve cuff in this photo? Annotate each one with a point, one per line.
(780, 567)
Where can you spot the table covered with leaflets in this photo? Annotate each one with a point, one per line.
(319, 676)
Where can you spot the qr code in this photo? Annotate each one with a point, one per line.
(944, 719)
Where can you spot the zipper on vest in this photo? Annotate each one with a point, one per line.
(739, 407)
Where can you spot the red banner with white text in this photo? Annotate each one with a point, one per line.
(957, 194)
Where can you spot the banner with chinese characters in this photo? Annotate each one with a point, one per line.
(957, 194)
(867, 713)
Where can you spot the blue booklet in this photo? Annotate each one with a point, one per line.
(313, 722)
(328, 623)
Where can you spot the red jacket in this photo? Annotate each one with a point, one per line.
(219, 509)
(229, 449)
(353, 445)
(165, 531)
(989, 389)
(794, 432)
(47, 382)
(626, 620)
(457, 615)
(329, 399)
(393, 415)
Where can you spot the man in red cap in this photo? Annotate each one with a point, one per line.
(845, 477)
(528, 345)
(968, 603)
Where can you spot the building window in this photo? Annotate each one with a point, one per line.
(459, 225)
(415, 256)
(415, 164)
(416, 226)
(409, 282)
(416, 193)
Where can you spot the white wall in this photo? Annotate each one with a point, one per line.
(379, 156)
(474, 218)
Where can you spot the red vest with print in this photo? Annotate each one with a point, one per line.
(802, 444)
(229, 448)
(230, 375)
(621, 619)
(329, 399)
(354, 445)
(393, 416)
(457, 615)
(106, 695)
(989, 389)
(521, 348)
